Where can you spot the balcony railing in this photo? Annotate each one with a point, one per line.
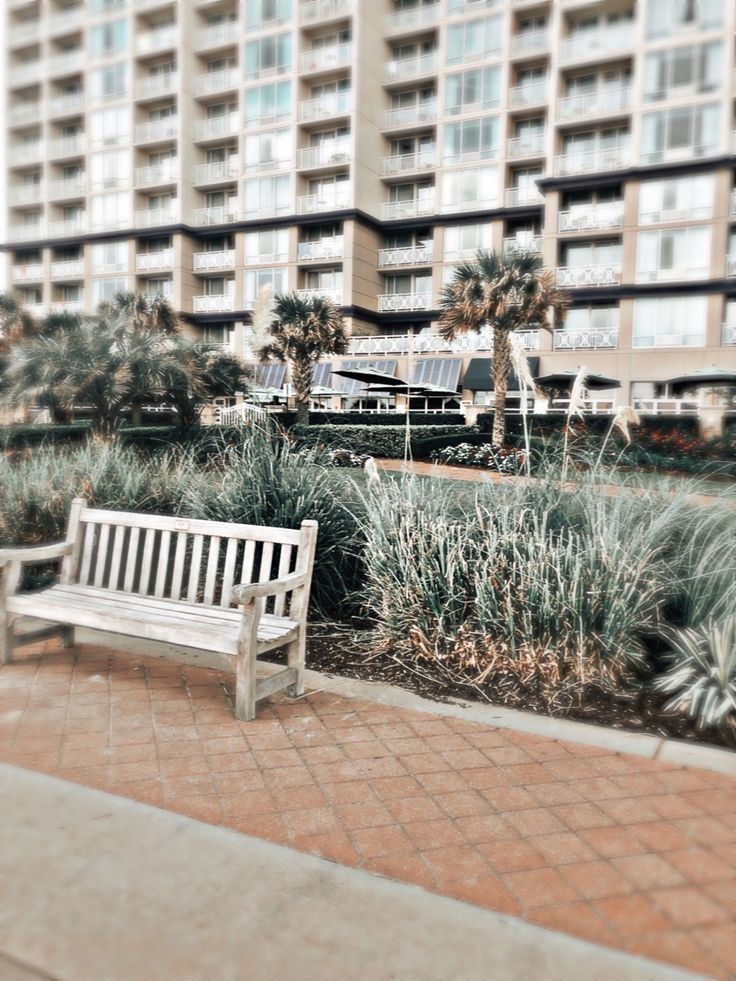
(219, 172)
(516, 244)
(328, 154)
(158, 39)
(162, 261)
(467, 343)
(219, 215)
(67, 64)
(157, 130)
(311, 204)
(213, 261)
(592, 217)
(586, 339)
(216, 127)
(577, 276)
(27, 272)
(153, 86)
(415, 208)
(329, 293)
(67, 105)
(522, 197)
(21, 34)
(160, 173)
(25, 74)
(315, 11)
(394, 302)
(732, 209)
(406, 68)
(603, 102)
(68, 269)
(214, 303)
(326, 58)
(475, 203)
(413, 19)
(25, 194)
(409, 163)
(153, 217)
(210, 83)
(324, 248)
(24, 112)
(217, 36)
(25, 153)
(592, 161)
(728, 333)
(589, 45)
(410, 255)
(325, 106)
(529, 42)
(67, 146)
(67, 306)
(68, 226)
(531, 145)
(35, 310)
(418, 115)
(731, 265)
(64, 23)
(528, 94)
(26, 232)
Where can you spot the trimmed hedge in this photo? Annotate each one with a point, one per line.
(288, 419)
(384, 441)
(553, 423)
(21, 436)
(422, 446)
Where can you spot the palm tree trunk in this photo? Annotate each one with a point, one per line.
(301, 378)
(501, 368)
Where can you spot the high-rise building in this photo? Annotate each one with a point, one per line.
(360, 148)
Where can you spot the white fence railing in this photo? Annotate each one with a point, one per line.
(324, 248)
(592, 217)
(411, 255)
(244, 414)
(576, 276)
(586, 338)
(211, 261)
(434, 343)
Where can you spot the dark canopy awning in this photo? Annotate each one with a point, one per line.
(444, 373)
(479, 375)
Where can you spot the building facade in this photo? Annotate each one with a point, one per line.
(360, 148)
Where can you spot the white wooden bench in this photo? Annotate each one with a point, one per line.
(173, 580)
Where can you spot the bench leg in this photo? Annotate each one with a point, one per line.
(295, 653)
(6, 642)
(67, 636)
(245, 683)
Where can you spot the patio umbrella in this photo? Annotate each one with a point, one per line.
(321, 392)
(703, 377)
(368, 376)
(562, 381)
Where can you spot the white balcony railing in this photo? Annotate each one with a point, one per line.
(586, 339)
(216, 127)
(603, 102)
(219, 215)
(467, 343)
(405, 68)
(161, 261)
(311, 204)
(63, 23)
(210, 83)
(25, 153)
(67, 64)
(592, 217)
(410, 255)
(592, 161)
(530, 145)
(25, 73)
(418, 115)
(219, 172)
(395, 302)
(67, 146)
(153, 217)
(23, 33)
(66, 105)
(522, 197)
(475, 203)
(415, 18)
(325, 106)
(732, 209)
(28, 232)
(326, 58)
(158, 39)
(165, 172)
(415, 208)
(731, 265)
(315, 11)
(27, 272)
(529, 42)
(318, 251)
(36, 310)
(330, 153)
(24, 112)
(409, 163)
(516, 244)
(576, 276)
(153, 86)
(728, 333)
(666, 407)
(334, 294)
(223, 259)
(157, 130)
(589, 45)
(25, 194)
(68, 269)
(68, 226)
(528, 94)
(67, 306)
(216, 36)
(214, 303)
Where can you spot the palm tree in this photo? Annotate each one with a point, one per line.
(142, 313)
(302, 332)
(507, 293)
(16, 323)
(201, 373)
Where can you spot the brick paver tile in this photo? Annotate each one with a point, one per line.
(535, 821)
(582, 815)
(612, 842)
(366, 814)
(514, 855)
(434, 834)
(563, 848)
(455, 862)
(372, 842)
(648, 871)
(660, 835)
(405, 809)
(405, 866)
(577, 918)
(486, 827)
(724, 892)
(593, 880)
(509, 798)
(540, 887)
(686, 906)
(462, 803)
(312, 821)
(631, 914)
(487, 891)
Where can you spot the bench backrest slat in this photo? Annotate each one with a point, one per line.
(131, 559)
(177, 576)
(163, 564)
(194, 568)
(117, 555)
(213, 560)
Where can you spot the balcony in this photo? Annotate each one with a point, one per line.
(529, 43)
(586, 339)
(517, 244)
(214, 303)
(528, 95)
(325, 107)
(222, 214)
(68, 269)
(326, 59)
(218, 172)
(591, 45)
(68, 226)
(331, 153)
(66, 64)
(213, 83)
(157, 130)
(395, 302)
(67, 105)
(592, 161)
(731, 265)
(25, 194)
(471, 204)
(312, 204)
(67, 306)
(728, 334)
(592, 217)
(410, 255)
(25, 153)
(159, 39)
(154, 262)
(35, 310)
(22, 33)
(531, 145)
(153, 217)
(216, 127)
(606, 101)
(401, 165)
(26, 232)
(317, 11)
(67, 146)
(221, 261)
(407, 68)
(24, 112)
(65, 23)
(158, 174)
(154, 86)
(414, 208)
(732, 208)
(163, 290)
(24, 73)
(408, 116)
(27, 272)
(415, 19)
(573, 277)
(216, 36)
(321, 250)
(334, 295)
(434, 344)
(523, 197)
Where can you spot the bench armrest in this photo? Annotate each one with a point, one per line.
(36, 553)
(243, 595)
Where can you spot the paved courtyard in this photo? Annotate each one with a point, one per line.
(632, 853)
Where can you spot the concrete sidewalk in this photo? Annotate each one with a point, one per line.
(94, 886)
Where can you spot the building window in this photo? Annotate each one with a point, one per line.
(269, 150)
(681, 133)
(673, 254)
(463, 241)
(268, 55)
(259, 13)
(666, 17)
(254, 280)
(267, 104)
(690, 69)
(471, 139)
(108, 257)
(463, 189)
(108, 38)
(267, 195)
(671, 321)
(107, 289)
(110, 210)
(109, 125)
(270, 245)
(676, 198)
(474, 90)
(110, 81)
(474, 39)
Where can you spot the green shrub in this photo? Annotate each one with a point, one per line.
(381, 441)
(288, 419)
(22, 436)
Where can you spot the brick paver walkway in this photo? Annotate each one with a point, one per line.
(628, 852)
